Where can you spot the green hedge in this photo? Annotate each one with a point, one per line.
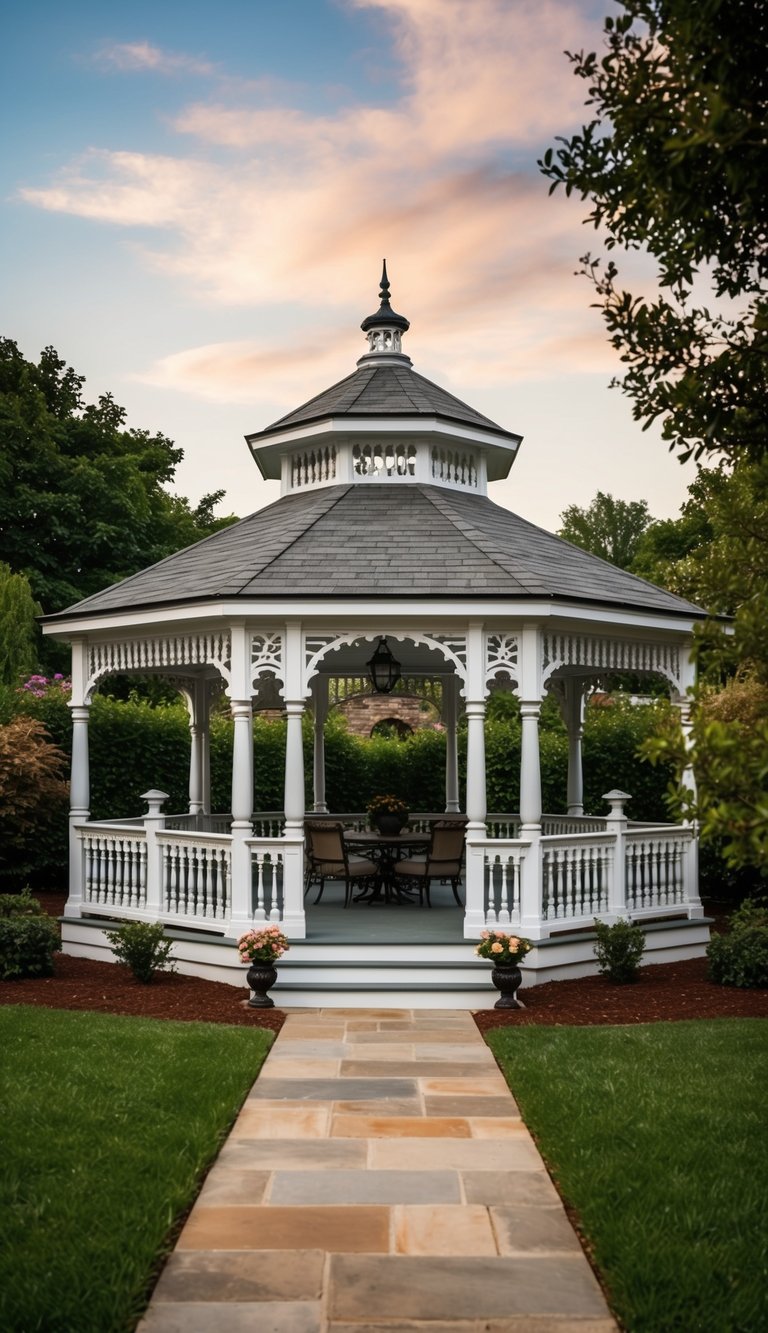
(136, 745)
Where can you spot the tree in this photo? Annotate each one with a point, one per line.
(609, 528)
(18, 630)
(82, 499)
(674, 162)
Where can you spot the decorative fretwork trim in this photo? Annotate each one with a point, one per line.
(157, 654)
(501, 655)
(602, 654)
(452, 647)
(267, 656)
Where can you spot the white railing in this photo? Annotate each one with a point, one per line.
(575, 877)
(267, 879)
(656, 868)
(114, 867)
(552, 826)
(268, 824)
(502, 870)
(195, 877)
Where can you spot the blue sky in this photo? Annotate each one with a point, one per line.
(197, 198)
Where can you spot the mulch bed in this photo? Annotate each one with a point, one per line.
(664, 992)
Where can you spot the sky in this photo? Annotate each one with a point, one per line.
(196, 200)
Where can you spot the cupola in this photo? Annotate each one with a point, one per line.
(384, 423)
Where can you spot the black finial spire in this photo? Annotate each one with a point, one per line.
(385, 316)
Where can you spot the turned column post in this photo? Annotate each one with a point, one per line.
(320, 700)
(450, 719)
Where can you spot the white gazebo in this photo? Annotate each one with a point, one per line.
(383, 530)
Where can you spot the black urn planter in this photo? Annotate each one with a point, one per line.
(261, 977)
(507, 978)
(390, 825)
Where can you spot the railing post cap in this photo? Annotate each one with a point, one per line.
(154, 798)
(616, 795)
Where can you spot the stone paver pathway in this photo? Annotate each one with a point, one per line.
(378, 1179)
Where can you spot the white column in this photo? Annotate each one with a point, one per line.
(530, 765)
(475, 691)
(294, 694)
(573, 716)
(196, 704)
(320, 698)
(294, 767)
(205, 749)
(450, 714)
(79, 804)
(242, 808)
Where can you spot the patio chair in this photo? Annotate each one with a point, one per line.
(442, 861)
(327, 858)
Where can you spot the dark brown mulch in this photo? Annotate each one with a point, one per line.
(664, 993)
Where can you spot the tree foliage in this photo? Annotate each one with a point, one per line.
(674, 163)
(82, 499)
(18, 629)
(610, 528)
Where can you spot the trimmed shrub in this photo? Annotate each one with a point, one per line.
(19, 904)
(618, 950)
(740, 958)
(27, 946)
(142, 946)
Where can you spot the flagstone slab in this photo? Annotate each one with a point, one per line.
(452, 1154)
(234, 1317)
(411, 1107)
(506, 1324)
(467, 1105)
(383, 1127)
(240, 1186)
(332, 1089)
(321, 1154)
(362, 1229)
(473, 1085)
(422, 1069)
(431, 1288)
(531, 1188)
(234, 1275)
(364, 1187)
(280, 1122)
(299, 1067)
(443, 1230)
(521, 1229)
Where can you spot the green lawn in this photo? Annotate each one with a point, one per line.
(108, 1125)
(656, 1136)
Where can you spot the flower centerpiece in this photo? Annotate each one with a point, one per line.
(388, 814)
(506, 952)
(262, 948)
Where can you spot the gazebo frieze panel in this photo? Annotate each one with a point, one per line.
(158, 654)
(502, 650)
(592, 652)
(267, 656)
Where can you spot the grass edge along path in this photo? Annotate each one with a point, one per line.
(109, 1125)
(655, 1137)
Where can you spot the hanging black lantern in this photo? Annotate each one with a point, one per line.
(383, 669)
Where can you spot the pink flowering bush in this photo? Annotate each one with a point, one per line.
(39, 685)
(266, 945)
(501, 948)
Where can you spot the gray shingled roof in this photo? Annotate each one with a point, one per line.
(385, 541)
(375, 391)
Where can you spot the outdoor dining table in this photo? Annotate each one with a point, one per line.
(386, 849)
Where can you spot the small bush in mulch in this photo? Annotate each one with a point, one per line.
(618, 950)
(740, 957)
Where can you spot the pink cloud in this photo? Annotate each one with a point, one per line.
(133, 56)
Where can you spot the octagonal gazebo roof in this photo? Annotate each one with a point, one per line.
(384, 496)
